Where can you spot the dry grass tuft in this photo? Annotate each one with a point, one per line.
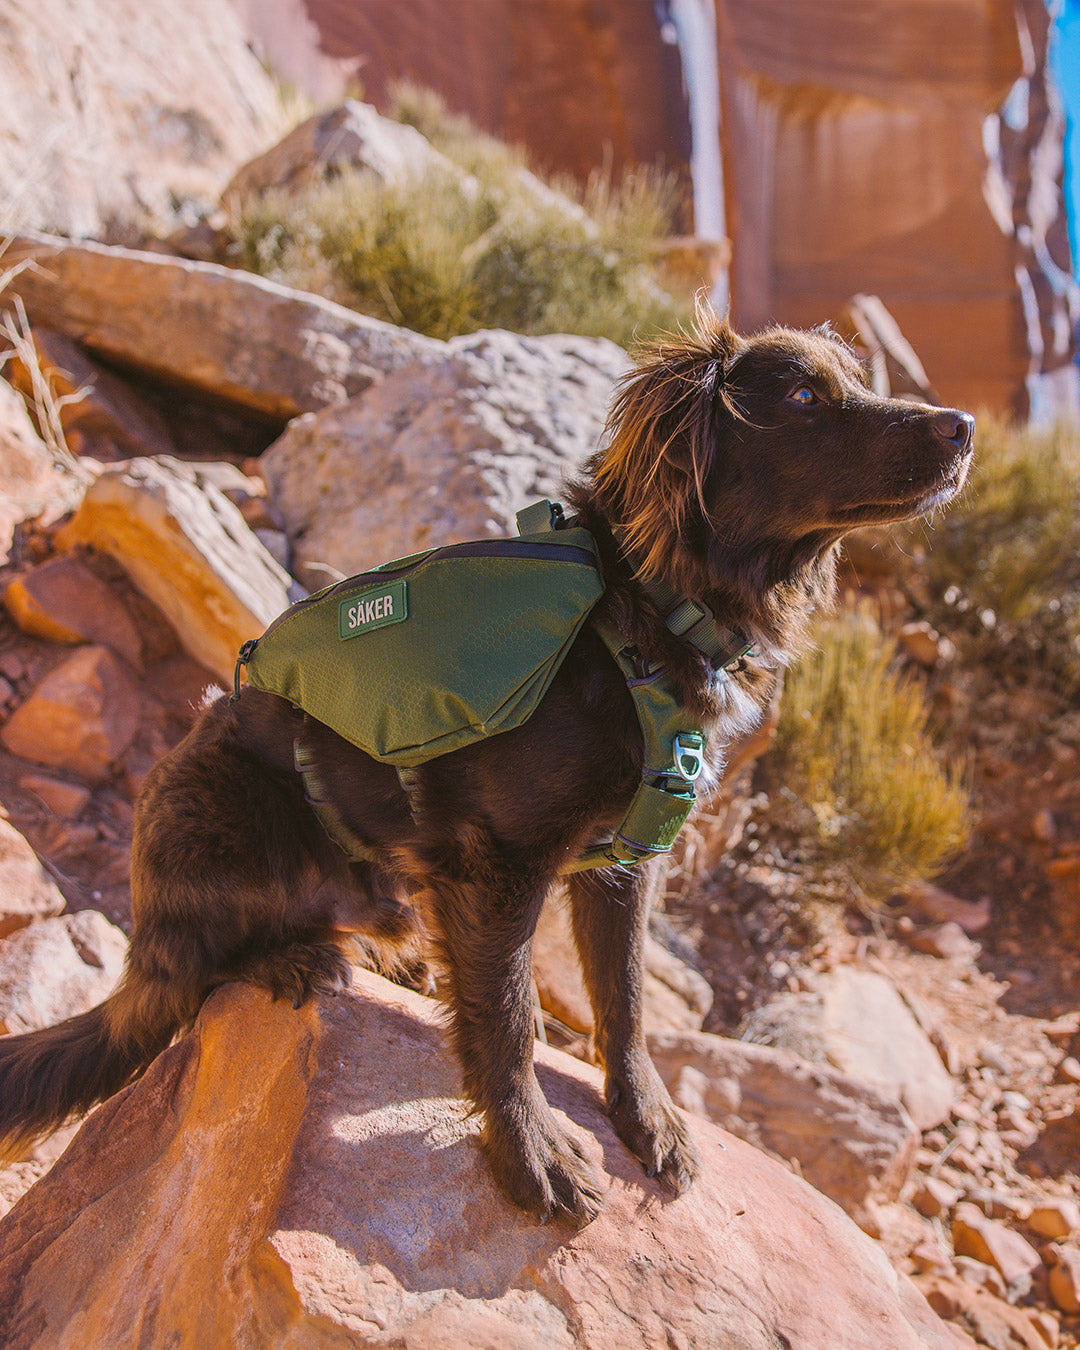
(482, 244)
(853, 745)
(1004, 564)
(46, 405)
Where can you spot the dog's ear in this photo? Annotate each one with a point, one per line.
(665, 430)
(715, 332)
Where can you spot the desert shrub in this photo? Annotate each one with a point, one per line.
(480, 244)
(853, 747)
(1003, 564)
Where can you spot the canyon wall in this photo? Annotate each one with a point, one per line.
(866, 149)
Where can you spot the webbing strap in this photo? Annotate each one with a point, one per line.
(673, 758)
(328, 816)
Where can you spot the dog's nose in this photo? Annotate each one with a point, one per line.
(958, 428)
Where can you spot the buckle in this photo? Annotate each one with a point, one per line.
(688, 752)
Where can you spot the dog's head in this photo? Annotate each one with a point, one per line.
(734, 465)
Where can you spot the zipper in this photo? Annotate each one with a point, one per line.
(494, 548)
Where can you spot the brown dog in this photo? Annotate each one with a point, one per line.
(732, 470)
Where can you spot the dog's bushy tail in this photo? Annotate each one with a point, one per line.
(49, 1076)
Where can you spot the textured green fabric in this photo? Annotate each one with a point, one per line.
(432, 652)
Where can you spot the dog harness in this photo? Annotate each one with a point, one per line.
(437, 650)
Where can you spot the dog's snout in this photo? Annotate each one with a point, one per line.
(958, 428)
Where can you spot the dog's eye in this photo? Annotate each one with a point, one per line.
(803, 394)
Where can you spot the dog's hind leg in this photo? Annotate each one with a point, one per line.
(483, 916)
(610, 913)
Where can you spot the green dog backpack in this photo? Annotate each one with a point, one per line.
(426, 654)
(429, 653)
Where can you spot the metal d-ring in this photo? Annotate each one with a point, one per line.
(691, 771)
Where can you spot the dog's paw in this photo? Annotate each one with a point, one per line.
(651, 1127)
(540, 1167)
(298, 971)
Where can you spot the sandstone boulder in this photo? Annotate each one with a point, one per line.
(991, 1241)
(27, 892)
(57, 968)
(441, 450)
(249, 342)
(118, 110)
(676, 997)
(990, 1320)
(350, 136)
(63, 601)
(849, 1139)
(857, 1022)
(286, 1178)
(188, 549)
(82, 716)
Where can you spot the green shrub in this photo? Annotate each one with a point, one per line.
(478, 245)
(1004, 563)
(854, 747)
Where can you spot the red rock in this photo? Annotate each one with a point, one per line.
(1055, 1218)
(217, 331)
(930, 1255)
(676, 997)
(923, 644)
(857, 1022)
(560, 76)
(1048, 1326)
(63, 601)
(849, 1139)
(82, 716)
(990, 1320)
(939, 905)
(947, 940)
(1065, 1279)
(186, 548)
(291, 1178)
(27, 892)
(980, 1274)
(934, 1196)
(803, 87)
(61, 798)
(1069, 1069)
(997, 1204)
(57, 968)
(1064, 874)
(990, 1241)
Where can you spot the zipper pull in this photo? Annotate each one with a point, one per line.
(242, 659)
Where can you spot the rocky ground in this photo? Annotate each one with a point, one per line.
(916, 1058)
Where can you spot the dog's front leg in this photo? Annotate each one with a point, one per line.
(486, 932)
(610, 911)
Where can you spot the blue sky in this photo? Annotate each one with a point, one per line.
(1065, 62)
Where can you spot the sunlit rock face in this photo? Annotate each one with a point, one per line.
(120, 115)
(580, 82)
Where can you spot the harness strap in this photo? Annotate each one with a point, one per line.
(327, 814)
(694, 622)
(673, 757)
